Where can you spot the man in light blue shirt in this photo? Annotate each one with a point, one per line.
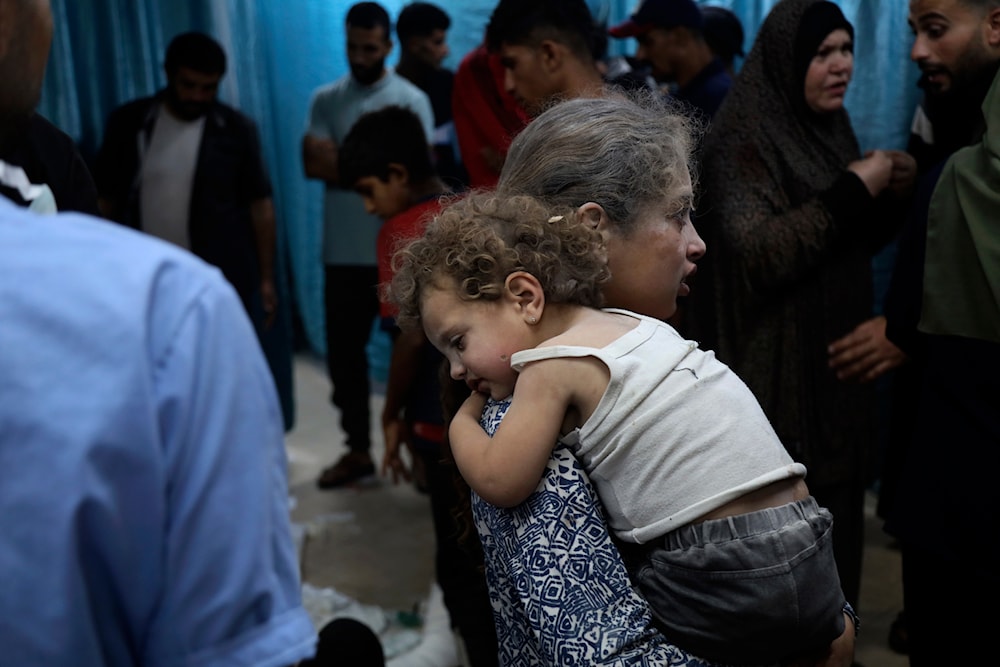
(349, 232)
(144, 497)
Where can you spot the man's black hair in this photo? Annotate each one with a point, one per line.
(419, 19)
(526, 22)
(368, 15)
(379, 138)
(197, 51)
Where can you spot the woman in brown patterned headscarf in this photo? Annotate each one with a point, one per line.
(791, 215)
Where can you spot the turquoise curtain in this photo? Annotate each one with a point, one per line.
(106, 52)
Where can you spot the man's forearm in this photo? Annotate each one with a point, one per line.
(319, 160)
(265, 234)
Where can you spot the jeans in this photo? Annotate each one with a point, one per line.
(756, 588)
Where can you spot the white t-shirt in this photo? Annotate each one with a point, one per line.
(168, 167)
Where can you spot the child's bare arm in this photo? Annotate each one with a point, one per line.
(506, 468)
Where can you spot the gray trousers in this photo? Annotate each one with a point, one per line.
(752, 589)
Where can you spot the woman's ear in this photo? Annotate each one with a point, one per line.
(525, 293)
(592, 214)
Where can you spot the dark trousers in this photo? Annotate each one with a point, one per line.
(351, 307)
(846, 503)
(950, 601)
(458, 563)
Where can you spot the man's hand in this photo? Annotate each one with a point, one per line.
(864, 354)
(319, 159)
(904, 173)
(269, 301)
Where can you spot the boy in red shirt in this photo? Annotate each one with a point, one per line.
(387, 160)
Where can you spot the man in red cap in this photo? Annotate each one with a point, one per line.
(671, 40)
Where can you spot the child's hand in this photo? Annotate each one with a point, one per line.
(465, 424)
(473, 406)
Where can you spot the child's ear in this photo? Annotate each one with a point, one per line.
(399, 172)
(525, 293)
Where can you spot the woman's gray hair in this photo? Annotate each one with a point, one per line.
(624, 151)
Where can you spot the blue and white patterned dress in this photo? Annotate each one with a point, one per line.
(559, 589)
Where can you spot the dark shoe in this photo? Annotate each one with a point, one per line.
(349, 469)
(899, 640)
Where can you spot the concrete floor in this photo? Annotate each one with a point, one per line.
(374, 543)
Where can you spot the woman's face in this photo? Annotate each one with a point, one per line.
(830, 72)
(650, 266)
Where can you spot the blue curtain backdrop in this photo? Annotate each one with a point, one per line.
(106, 52)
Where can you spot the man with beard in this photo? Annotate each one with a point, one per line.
(349, 232)
(184, 167)
(957, 47)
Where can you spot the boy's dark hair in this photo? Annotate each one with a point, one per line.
(723, 32)
(527, 22)
(197, 51)
(379, 138)
(369, 15)
(419, 19)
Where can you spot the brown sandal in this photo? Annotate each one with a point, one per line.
(347, 470)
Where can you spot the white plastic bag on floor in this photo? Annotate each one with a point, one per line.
(437, 647)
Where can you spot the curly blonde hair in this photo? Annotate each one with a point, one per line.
(480, 239)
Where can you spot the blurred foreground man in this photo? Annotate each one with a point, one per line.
(144, 497)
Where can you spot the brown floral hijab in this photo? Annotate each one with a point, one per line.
(765, 116)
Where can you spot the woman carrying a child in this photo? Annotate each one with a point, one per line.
(561, 592)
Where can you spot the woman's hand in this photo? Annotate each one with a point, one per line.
(874, 170)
